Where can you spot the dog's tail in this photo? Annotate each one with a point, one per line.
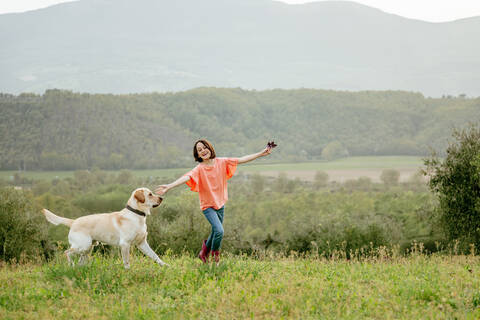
(56, 220)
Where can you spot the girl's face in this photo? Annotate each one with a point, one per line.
(203, 152)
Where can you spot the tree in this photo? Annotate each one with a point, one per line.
(320, 180)
(258, 183)
(334, 150)
(456, 182)
(281, 183)
(23, 231)
(390, 177)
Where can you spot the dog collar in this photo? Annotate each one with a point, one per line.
(140, 213)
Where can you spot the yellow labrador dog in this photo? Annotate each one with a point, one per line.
(122, 228)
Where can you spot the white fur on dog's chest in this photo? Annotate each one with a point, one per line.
(131, 229)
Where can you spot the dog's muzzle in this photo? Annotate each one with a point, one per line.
(159, 201)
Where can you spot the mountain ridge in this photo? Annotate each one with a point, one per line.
(107, 46)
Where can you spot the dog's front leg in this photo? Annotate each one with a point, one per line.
(83, 258)
(125, 249)
(145, 248)
(69, 253)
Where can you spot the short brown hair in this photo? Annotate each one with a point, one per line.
(207, 145)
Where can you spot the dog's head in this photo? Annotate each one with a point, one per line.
(143, 199)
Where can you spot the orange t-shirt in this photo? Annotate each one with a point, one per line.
(211, 182)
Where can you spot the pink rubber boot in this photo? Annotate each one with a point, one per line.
(203, 254)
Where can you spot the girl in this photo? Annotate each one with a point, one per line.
(209, 179)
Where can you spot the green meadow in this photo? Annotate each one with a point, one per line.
(310, 275)
(351, 163)
(386, 286)
(386, 162)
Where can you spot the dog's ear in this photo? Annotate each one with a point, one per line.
(139, 196)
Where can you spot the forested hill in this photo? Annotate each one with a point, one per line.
(65, 130)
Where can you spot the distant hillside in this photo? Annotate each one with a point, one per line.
(65, 130)
(124, 46)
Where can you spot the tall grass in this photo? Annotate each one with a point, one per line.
(265, 286)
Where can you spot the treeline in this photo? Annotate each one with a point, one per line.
(62, 130)
(275, 214)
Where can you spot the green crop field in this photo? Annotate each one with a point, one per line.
(352, 163)
(267, 287)
(388, 162)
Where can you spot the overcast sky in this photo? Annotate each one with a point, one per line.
(428, 10)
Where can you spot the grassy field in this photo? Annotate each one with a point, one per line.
(342, 169)
(386, 287)
(351, 165)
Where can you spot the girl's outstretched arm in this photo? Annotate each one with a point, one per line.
(250, 157)
(162, 189)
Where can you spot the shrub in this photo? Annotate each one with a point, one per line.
(334, 150)
(258, 183)
(178, 225)
(23, 233)
(320, 180)
(362, 183)
(346, 239)
(104, 199)
(390, 177)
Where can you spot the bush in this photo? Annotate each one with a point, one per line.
(346, 239)
(334, 150)
(320, 180)
(456, 182)
(104, 199)
(178, 225)
(390, 177)
(258, 183)
(362, 183)
(23, 233)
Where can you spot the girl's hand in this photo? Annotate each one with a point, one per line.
(268, 149)
(266, 152)
(161, 190)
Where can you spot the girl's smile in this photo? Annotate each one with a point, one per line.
(203, 151)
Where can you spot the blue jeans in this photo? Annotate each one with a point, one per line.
(215, 217)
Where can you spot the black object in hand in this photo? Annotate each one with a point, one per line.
(271, 144)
